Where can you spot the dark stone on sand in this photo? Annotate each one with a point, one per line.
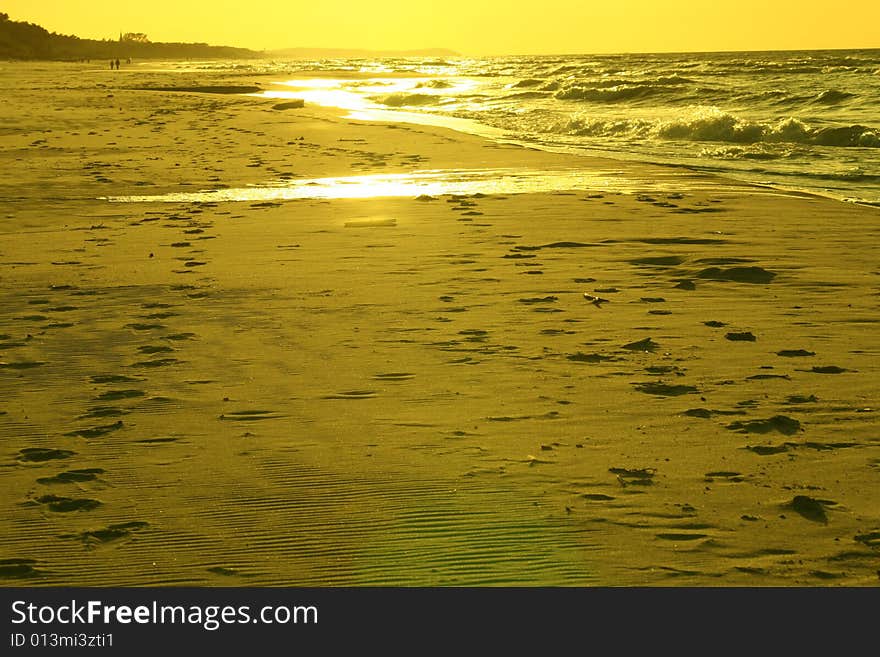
(767, 450)
(565, 245)
(704, 413)
(810, 508)
(293, 104)
(636, 476)
(781, 423)
(588, 358)
(685, 285)
(828, 369)
(533, 300)
(714, 324)
(221, 570)
(871, 539)
(659, 261)
(680, 240)
(756, 275)
(681, 537)
(664, 390)
(254, 415)
(647, 345)
(801, 399)
(745, 336)
(795, 353)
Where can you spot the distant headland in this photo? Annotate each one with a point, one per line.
(21, 40)
(28, 41)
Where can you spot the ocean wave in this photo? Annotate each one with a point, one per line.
(526, 95)
(611, 94)
(833, 97)
(434, 84)
(589, 127)
(756, 152)
(529, 82)
(402, 99)
(713, 124)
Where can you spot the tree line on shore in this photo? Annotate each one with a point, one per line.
(22, 40)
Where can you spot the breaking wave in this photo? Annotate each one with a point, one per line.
(713, 124)
(408, 100)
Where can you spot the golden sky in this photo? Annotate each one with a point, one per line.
(472, 27)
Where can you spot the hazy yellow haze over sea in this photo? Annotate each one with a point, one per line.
(473, 28)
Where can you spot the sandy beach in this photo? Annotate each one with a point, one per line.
(671, 386)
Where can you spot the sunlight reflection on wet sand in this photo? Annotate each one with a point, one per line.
(427, 183)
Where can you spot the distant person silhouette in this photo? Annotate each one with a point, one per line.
(112, 63)
(117, 64)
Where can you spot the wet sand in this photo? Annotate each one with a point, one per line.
(561, 388)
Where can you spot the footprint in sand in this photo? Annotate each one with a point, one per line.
(353, 395)
(19, 569)
(828, 369)
(159, 362)
(724, 475)
(110, 533)
(780, 423)
(754, 275)
(250, 415)
(96, 432)
(664, 390)
(72, 477)
(597, 497)
(58, 504)
(42, 454)
(177, 337)
(143, 326)
(767, 450)
(21, 365)
(155, 349)
(658, 261)
(158, 441)
(871, 539)
(634, 477)
(394, 376)
(113, 378)
(801, 399)
(581, 357)
(114, 395)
